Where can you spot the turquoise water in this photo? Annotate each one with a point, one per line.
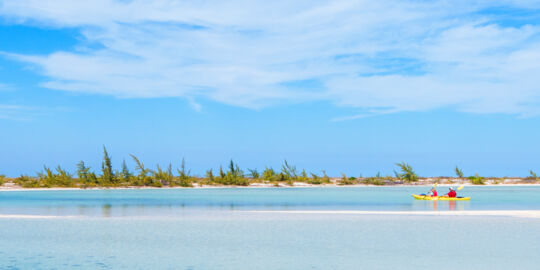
(210, 229)
(170, 201)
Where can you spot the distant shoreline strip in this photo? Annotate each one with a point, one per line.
(509, 213)
(494, 213)
(33, 217)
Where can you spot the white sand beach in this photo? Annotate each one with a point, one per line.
(508, 213)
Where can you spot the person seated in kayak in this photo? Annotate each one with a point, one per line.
(452, 193)
(432, 192)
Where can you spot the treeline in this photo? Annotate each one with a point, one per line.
(160, 177)
(232, 175)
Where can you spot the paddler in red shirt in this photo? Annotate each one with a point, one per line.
(452, 193)
(432, 192)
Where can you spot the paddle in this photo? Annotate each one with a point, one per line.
(460, 188)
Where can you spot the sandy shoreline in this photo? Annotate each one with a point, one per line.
(471, 213)
(508, 213)
(15, 188)
(33, 217)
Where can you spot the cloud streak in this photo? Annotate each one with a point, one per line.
(15, 112)
(377, 56)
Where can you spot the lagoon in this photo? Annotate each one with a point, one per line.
(247, 228)
(129, 202)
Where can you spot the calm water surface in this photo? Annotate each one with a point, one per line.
(170, 201)
(209, 229)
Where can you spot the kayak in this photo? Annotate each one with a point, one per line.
(440, 198)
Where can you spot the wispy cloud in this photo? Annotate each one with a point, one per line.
(5, 87)
(15, 112)
(400, 55)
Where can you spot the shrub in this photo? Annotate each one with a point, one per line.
(210, 176)
(63, 178)
(164, 177)
(377, 181)
(303, 176)
(27, 181)
(477, 179)
(325, 178)
(344, 180)
(314, 180)
(234, 176)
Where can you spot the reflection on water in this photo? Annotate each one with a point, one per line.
(425, 205)
(176, 201)
(106, 210)
(452, 205)
(111, 210)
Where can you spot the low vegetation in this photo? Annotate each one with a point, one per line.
(477, 180)
(231, 175)
(344, 180)
(532, 176)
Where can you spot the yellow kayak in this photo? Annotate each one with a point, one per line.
(440, 198)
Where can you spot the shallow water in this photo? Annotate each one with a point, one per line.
(270, 241)
(210, 229)
(173, 201)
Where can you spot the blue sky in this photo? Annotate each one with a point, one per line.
(341, 86)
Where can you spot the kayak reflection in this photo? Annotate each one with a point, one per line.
(440, 205)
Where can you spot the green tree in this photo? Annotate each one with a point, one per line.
(289, 171)
(268, 174)
(407, 172)
(325, 178)
(210, 176)
(82, 173)
(162, 177)
(459, 172)
(184, 178)
(235, 176)
(315, 179)
(254, 173)
(142, 177)
(532, 175)
(64, 178)
(303, 176)
(48, 178)
(107, 176)
(125, 174)
(222, 174)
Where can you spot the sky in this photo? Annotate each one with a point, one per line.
(343, 86)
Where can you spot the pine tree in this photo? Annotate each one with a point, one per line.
(107, 176)
(459, 172)
(82, 172)
(126, 174)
